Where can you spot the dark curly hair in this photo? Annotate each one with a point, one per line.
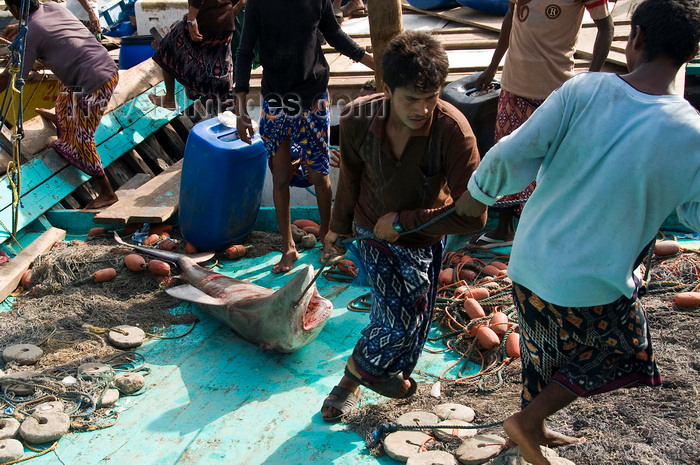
(415, 59)
(671, 28)
(33, 4)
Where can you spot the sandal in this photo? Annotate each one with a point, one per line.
(388, 387)
(344, 402)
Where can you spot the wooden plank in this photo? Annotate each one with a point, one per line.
(134, 160)
(118, 173)
(11, 272)
(586, 39)
(171, 142)
(464, 15)
(154, 202)
(153, 156)
(448, 38)
(70, 203)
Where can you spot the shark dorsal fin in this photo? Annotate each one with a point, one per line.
(192, 294)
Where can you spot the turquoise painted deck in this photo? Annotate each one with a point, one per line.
(215, 398)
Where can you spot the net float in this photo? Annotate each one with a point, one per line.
(134, 262)
(487, 338)
(473, 309)
(159, 267)
(513, 345)
(104, 275)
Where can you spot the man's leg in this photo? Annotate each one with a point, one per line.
(324, 199)
(281, 178)
(528, 430)
(166, 101)
(106, 197)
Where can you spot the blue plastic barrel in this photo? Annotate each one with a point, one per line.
(433, 4)
(221, 186)
(135, 49)
(493, 7)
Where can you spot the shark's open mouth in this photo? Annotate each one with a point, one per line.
(317, 312)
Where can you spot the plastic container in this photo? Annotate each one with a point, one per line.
(478, 106)
(433, 4)
(158, 13)
(221, 186)
(134, 50)
(493, 7)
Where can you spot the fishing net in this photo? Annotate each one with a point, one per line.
(638, 426)
(68, 315)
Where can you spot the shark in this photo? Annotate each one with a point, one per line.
(283, 321)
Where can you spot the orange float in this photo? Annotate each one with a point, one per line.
(486, 338)
(513, 345)
(302, 223)
(478, 293)
(104, 275)
(687, 299)
(134, 262)
(159, 267)
(473, 309)
(499, 323)
(666, 248)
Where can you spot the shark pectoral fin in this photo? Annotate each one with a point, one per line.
(192, 294)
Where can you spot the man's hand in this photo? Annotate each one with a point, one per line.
(245, 129)
(194, 32)
(485, 78)
(466, 205)
(10, 32)
(330, 248)
(384, 229)
(334, 158)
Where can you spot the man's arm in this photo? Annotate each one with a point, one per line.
(92, 15)
(501, 47)
(603, 40)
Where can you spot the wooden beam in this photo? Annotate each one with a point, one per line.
(154, 202)
(11, 273)
(385, 23)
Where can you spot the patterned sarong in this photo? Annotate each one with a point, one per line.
(513, 111)
(204, 68)
(403, 282)
(308, 133)
(588, 350)
(78, 117)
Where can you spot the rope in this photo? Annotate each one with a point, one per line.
(15, 91)
(387, 428)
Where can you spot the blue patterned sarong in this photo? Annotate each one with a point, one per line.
(308, 133)
(403, 282)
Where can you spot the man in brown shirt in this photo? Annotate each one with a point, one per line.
(406, 157)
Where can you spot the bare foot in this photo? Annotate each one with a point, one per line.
(286, 262)
(163, 101)
(48, 114)
(554, 439)
(102, 201)
(528, 440)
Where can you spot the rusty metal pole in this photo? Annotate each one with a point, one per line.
(384, 23)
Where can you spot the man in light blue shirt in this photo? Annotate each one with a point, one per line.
(613, 156)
